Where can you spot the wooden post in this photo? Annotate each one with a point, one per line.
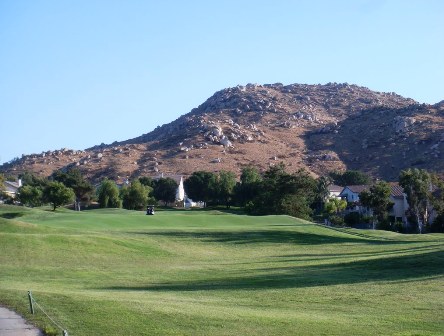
(31, 305)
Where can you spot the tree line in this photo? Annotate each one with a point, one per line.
(71, 187)
(272, 192)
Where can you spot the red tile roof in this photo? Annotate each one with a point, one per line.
(397, 190)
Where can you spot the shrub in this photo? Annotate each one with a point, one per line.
(366, 219)
(6, 198)
(438, 224)
(398, 227)
(352, 218)
(336, 220)
(50, 331)
(385, 225)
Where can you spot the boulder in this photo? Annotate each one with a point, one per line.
(225, 142)
(217, 131)
(400, 123)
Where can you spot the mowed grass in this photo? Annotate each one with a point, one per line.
(117, 272)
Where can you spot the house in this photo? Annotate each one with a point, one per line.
(397, 196)
(11, 187)
(334, 191)
(351, 193)
(400, 204)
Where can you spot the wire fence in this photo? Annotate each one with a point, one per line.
(33, 303)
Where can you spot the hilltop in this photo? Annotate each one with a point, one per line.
(317, 127)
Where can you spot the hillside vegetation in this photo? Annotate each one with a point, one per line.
(321, 128)
(119, 272)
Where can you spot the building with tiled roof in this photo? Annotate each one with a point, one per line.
(397, 190)
(400, 204)
(398, 197)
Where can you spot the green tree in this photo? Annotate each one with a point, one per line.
(437, 203)
(2, 181)
(377, 198)
(58, 194)
(417, 186)
(74, 179)
(437, 192)
(284, 193)
(322, 193)
(108, 194)
(135, 197)
(33, 180)
(296, 205)
(30, 195)
(146, 181)
(248, 187)
(438, 223)
(224, 186)
(335, 205)
(164, 189)
(276, 184)
(350, 177)
(199, 186)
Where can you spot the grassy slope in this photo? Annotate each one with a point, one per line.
(116, 272)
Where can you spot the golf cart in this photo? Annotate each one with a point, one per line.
(150, 210)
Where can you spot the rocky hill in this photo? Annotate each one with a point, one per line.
(317, 127)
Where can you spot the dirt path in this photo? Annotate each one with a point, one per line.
(12, 324)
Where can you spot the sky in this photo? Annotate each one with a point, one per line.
(74, 74)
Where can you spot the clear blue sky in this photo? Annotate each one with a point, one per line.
(74, 74)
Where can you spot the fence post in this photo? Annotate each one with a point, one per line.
(31, 305)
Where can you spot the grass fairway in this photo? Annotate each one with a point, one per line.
(117, 272)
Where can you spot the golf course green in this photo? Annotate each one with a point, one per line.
(118, 272)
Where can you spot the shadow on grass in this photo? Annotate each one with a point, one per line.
(372, 253)
(231, 210)
(216, 210)
(353, 232)
(12, 215)
(393, 269)
(269, 236)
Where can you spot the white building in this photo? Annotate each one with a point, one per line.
(334, 191)
(397, 196)
(351, 193)
(10, 188)
(180, 191)
(400, 204)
